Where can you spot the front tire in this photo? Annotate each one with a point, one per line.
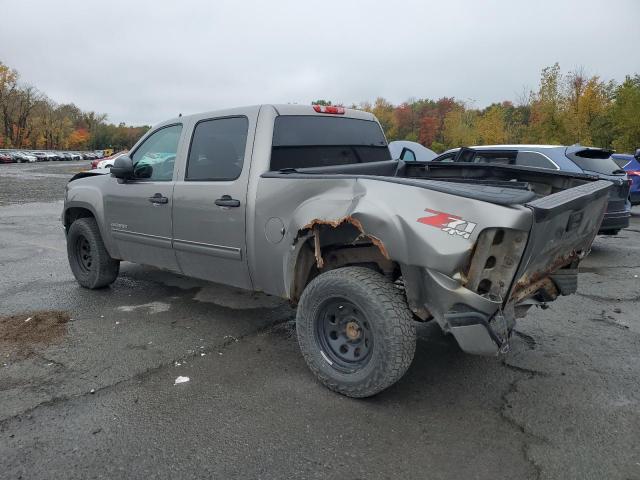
(355, 331)
(89, 260)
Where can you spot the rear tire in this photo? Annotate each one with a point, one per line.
(355, 331)
(89, 260)
(611, 232)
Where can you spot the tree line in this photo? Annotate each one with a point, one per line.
(564, 109)
(30, 119)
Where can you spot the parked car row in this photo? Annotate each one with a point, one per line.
(24, 156)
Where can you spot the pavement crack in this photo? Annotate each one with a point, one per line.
(528, 339)
(48, 360)
(530, 437)
(528, 371)
(228, 341)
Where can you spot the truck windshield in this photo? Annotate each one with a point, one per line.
(314, 141)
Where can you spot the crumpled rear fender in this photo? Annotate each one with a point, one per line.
(411, 225)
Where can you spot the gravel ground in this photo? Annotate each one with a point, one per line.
(36, 182)
(98, 399)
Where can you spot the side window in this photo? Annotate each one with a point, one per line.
(534, 159)
(155, 158)
(408, 155)
(217, 149)
(446, 158)
(502, 158)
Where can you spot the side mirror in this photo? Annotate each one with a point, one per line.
(637, 155)
(122, 167)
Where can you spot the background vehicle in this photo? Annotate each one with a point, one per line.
(306, 203)
(107, 162)
(24, 157)
(40, 156)
(631, 165)
(6, 157)
(576, 158)
(411, 151)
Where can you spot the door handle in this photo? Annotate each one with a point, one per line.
(227, 201)
(158, 199)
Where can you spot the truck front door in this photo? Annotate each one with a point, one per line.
(209, 205)
(138, 211)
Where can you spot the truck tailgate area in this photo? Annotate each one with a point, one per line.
(564, 226)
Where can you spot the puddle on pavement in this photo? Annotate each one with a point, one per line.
(151, 307)
(21, 334)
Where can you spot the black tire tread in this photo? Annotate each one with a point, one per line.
(398, 329)
(107, 267)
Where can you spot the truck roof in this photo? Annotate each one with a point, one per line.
(281, 109)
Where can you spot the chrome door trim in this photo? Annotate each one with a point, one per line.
(223, 251)
(138, 237)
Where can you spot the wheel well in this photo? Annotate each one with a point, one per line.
(330, 245)
(74, 213)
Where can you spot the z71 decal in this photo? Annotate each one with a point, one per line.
(452, 224)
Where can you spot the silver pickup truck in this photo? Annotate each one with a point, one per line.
(306, 203)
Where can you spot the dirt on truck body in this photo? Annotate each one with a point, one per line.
(306, 203)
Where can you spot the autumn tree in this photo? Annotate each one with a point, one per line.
(625, 115)
(547, 121)
(460, 127)
(491, 128)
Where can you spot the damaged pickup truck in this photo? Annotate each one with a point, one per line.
(306, 203)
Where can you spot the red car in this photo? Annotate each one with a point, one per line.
(6, 158)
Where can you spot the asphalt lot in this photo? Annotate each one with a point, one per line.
(98, 400)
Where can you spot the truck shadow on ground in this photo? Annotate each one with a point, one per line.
(438, 360)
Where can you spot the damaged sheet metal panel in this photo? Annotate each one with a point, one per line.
(423, 228)
(564, 227)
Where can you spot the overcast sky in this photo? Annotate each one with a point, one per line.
(144, 61)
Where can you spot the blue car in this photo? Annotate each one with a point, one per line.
(631, 165)
(574, 159)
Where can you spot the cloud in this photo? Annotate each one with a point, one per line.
(142, 61)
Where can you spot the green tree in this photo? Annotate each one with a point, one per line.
(625, 115)
(491, 128)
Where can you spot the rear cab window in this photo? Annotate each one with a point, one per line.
(303, 141)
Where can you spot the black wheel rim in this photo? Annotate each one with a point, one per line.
(344, 334)
(83, 253)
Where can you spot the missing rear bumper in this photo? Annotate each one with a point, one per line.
(475, 333)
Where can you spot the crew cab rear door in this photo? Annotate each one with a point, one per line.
(209, 202)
